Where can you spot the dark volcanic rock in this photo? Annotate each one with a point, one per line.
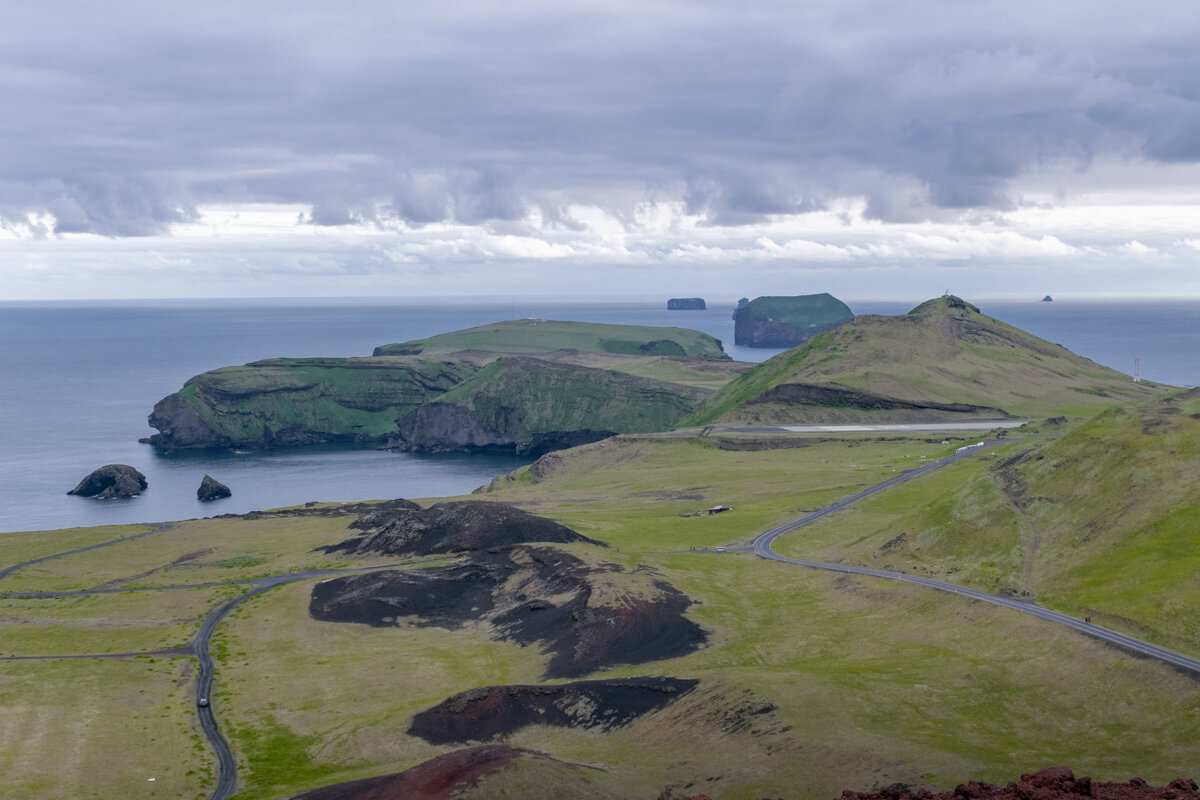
(436, 779)
(212, 489)
(835, 396)
(586, 617)
(686, 304)
(112, 480)
(494, 712)
(1051, 783)
(450, 528)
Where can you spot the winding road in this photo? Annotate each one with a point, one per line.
(762, 546)
(227, 765)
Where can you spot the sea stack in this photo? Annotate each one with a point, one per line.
(111, 480)
(212, 489)
(1047, 299)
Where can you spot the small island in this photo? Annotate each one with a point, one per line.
(686, 304)
(786, 321)
(1047, 299)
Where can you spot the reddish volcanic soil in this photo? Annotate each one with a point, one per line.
(435, 779)
(1051, 783)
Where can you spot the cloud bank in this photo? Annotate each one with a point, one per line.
(539, 130)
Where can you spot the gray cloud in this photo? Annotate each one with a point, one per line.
(121, 119)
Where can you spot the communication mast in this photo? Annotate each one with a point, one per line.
(1137, 370)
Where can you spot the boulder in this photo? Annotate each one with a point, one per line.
(212, 489)
(111, 480)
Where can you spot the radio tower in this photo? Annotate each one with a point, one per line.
(1137, 370)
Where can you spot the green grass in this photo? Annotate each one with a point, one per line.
(95, 729)
(871, 682)
(933, 355)
(128, 622)
(535, 337)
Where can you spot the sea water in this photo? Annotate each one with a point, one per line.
(77, 381)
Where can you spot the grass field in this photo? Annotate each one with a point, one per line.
(810, 682)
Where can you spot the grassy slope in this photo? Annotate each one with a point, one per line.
(803, 311)
(534, 337)
(565, 397)
(1100, 523)
(872, 683)
(341, 399)
(934, 354)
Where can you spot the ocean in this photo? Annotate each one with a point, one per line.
(80, 378)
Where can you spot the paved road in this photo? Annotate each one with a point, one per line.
(227, 766)
(159, 528)
(227, 774)
(762, 546)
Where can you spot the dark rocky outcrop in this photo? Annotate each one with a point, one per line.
(686, 304)
(786, 321)
(212, 489)
(585, 617)
(833, 396)
(495, 712)
(111, 480)
(456, 527)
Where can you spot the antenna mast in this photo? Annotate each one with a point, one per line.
(1137, 370)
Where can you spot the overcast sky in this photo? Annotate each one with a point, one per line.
(224, 149)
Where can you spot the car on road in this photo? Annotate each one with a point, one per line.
(202, 702)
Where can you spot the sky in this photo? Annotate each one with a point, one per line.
(616, 148)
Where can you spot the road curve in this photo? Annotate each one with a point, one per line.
(762, 546)
(227, 766)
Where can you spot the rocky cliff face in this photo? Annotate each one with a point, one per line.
(533, 406)
(291, 402)
(786, 321)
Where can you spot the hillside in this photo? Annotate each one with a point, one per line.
(942, 361)
(286, 402)
(534, 406)
(602, 377)
(542, 336)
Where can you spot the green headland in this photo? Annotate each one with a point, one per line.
(803, 682)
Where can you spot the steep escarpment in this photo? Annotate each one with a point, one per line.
(943, 361)
(288, 402)
(786, 321)
(545, 385)
(584, 615)
(533, 406)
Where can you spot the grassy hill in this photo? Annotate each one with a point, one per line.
(535, 406)
(942, 361)
(542, 336)
(810, 682)
(287, 402)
